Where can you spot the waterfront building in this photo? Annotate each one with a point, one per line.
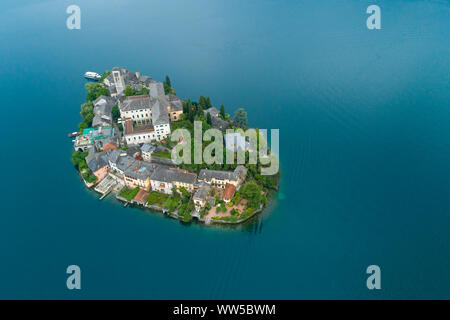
(98, 163)
(219, 179)
(200, 196)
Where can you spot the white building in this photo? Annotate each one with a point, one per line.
(161, 181)
(138, 134)
(147, 150)
(160, 115)
(136, 108)
(119, 82)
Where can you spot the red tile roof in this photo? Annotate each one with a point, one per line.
(230, 189)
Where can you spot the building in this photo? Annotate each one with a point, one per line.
(93, 137)
(229, 192)
(147, 150)
(82, 143)
(241, 173)
(99, 133)
(175, 107)
(138, 175)
(137, 134)
(136, 108)
(219, 179)
(200, 196)
(212, 111)
(183, 179)
(118, 80)
(102, 111)
(119, 161)
(109, 146)
(161, 180)
(216, 121)
(98, 163)
(159, 106)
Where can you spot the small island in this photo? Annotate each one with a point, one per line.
(126, 144)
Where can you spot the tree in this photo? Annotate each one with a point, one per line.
(202, 103)
(252, 192)
(168, 86)
(167, 82)
(115, 112)
(208, 118)
(95, 90)
(78, 157)
(104, 75)
(86, 109)
(129, 91)
(222, 112)
(240, 117)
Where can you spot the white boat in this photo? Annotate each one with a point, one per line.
(92, 75)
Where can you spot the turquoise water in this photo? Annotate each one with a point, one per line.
(364, 119)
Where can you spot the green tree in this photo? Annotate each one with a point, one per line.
(168, 86)
(252, 192)
(240, 117)
(86, 109)
(115, 112)
(104, 75)
(167, 82)
(129, 91)
(222, 112)
(208, 118)
(95, 90)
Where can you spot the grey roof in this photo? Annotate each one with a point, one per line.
(212, 111)
(219, 124)
(124, 162)
(160, 114)
(121, 160)
(146, 80)
(135, 103)
(202, 192)
(156, 90)
(164, 174)
(102, 111)
(95, 160)
(147, 147)
(175, 103)
(113, 155)
(108, 100)
(241, 171)
(181, 176)
(129, 77)
(133, 151)
(140, 170)
(206, 174)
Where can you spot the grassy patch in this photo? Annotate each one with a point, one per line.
(163, 154)
(129, 194)
(156, 198)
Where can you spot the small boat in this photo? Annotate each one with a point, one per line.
(73, 134)
(92, 75)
